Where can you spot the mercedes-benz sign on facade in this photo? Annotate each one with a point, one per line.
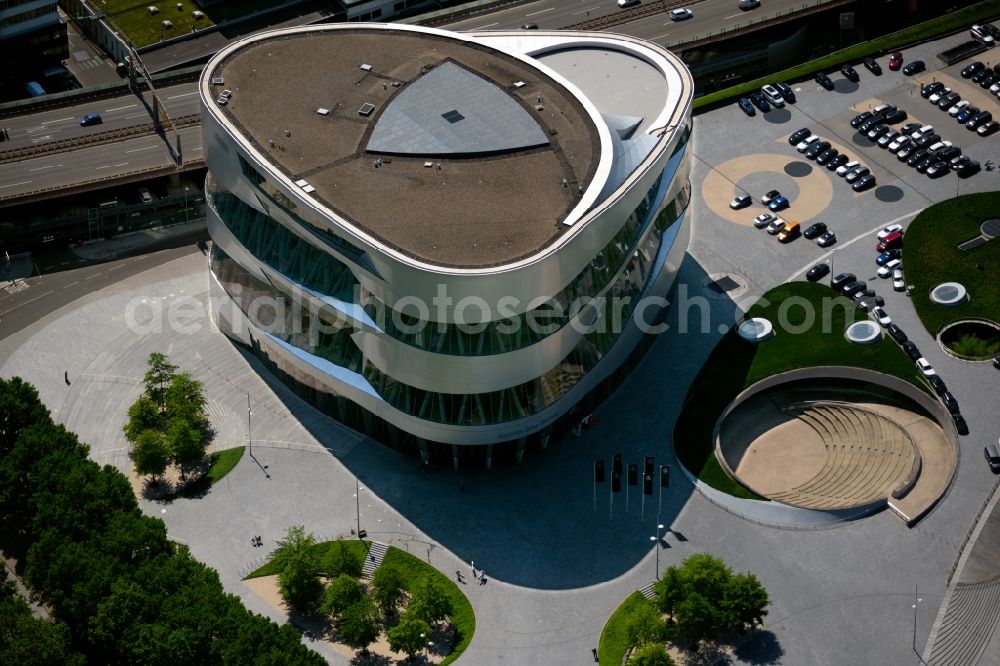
(454, 243)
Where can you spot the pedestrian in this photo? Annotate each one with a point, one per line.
(66, 377)
(458, 575)
(473, 568)
(482, 578)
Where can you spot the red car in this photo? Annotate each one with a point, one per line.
(895, 60)
(891, 241)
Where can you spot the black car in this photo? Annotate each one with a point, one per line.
(849, 73)
(931, 88)
(896, 333)
(863, 183)
(987, 129)
(949, 401)
(837, 161)
(827, 155)
(786, 92)
(914, 353)
(981, 74)
(989, 77)
(967, 169)
(980, 118)
(935, 380)
(972, 69)
(798, 135)
(949, 100)
(870, 123)
(860, 118)
(853, 287)
(817, 271)
(873, 66)
(906, 151)
(938, 168)
(746, 106)
(841, 279)
(914, 67)
(761, 103)
(909, 128)
(862, 295)
(814, 230)
(916, 157)
(817, 148)
(925, 164)
(824, 81)
(869, 302)
(996, 361)
(894, 116)
(928, 139)
(949, 153)
(961, 425)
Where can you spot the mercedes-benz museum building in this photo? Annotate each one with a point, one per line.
(455, 243)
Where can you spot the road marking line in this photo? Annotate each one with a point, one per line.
(595, 7)
(729, 17)
(666, 34)
(89, 277)
(57, 121)
(114, 268)
(137, 115)
(184, 95)
(863, 234)
(16, 184)
(122, 164)
(106, 166)
(120, 108)
(41, 138)
(540, 12)
(71, 284)
(194, 149)
(25, 303)
(51, 166)
(483, 27)
(136, 150)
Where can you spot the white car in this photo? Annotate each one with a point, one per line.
(924, 367)
(953, 111)
(806, 142)
(740, 201)
(881, 317)
(886, 270)
(773, 96)
(776, 226)
(926, 129)
(680, 14)
(886, 139)
(938, 147)
(627, 3)
(898, 284)
(764, 219)
(844, 168)
(936, 97)
(891, 229)
(899, 143)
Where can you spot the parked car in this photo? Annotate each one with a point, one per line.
(786, 92)
(925, 164)
(931, 88)
(866, 182)
(914, 67)
(876, 132)
(740, 201)
(816, 148)
(923, 130)
(950, 154)
(681, 14)
(901, 141)
(770, 196)
(837, 162)
(971, 69)
(896, 333)
(987, 128)
(986, 79)
(938, 94)
(857, 173)
(982, 34)
(992, 458)
(881, 316)
(887, 138)
(627, 3)
(779, 203)
(887, 256)
(761, 103)
(843, 169)
(824, 158)
(746, 106)
(849, 73)
(904, 153)
(911, 350)
(894, 116)
(872, 65)
(917, 156)
(825, 81)
(853, 287)
(967, 169)
(798, 135)
(980, 118)
(776, 225)
(949, 100)
(938, 168)
(886, 270)
(925, 368)
(949, 401)
(814, 230)
(960, 425)
(764, 219)
(817, 272)
(145, 196)
(789, 232)
(860, 118)
(889, 242)
(804, 144)
(936, 148)
(895, 61)
(898, 284)
(963, 115)
(826, 239)
(953, 111)
(927, 140)
(982, 74)
(841, 279)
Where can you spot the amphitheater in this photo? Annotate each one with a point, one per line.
(837, 447)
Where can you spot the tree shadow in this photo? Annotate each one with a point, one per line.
(760, 647)
(366, 658)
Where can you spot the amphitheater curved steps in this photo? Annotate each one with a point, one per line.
(970, 620)
(868, 456)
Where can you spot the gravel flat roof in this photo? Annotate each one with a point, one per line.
(492, 202)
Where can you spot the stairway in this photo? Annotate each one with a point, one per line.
(972, 617)
(376, 553)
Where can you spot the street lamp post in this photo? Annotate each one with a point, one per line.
(656, 544)
(357, 504)
(249, 431)
(187, 213)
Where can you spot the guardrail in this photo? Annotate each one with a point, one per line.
(25, 197)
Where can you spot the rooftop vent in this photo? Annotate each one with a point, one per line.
(519, 84)
(366, 109)
(366, 67)
(197, 14)
(306, 187)
(323, 111)
(218, 81)
(153, 9)
(453, 116)
(168, 24)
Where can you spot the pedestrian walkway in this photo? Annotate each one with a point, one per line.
(112, 248)
(376, 553)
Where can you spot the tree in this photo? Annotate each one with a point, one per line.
(299, 585)
(343, 592)
(651, 654)
(158, 378)
(360, 624)
(409, 636)
(186, 444)
(646, 626)
(429, 601)
(20, 407)
(25, 639)
(339, 559)
(745, 603)
(295, 541)
(143, 415)
(387, 588)
(697, 620)
(150, 454)
(185, 398)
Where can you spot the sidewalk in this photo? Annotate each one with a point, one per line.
(103, 250)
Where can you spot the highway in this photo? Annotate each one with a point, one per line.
(122, 158)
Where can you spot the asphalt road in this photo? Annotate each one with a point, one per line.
(74, 278)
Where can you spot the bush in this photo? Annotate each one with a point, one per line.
(150, 454)
(341, 559)
(342, 592)
(646, 625)
(651, 654)
(387, 588)
(409, 636)
(428, 601)
(360, 624)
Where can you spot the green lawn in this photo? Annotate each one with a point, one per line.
(734, 365)
(943, 25)
(932, 257)
(411, 569)
(132, 17)
(614, 638)
(222, 463)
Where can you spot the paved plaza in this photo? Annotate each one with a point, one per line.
(557, 567)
